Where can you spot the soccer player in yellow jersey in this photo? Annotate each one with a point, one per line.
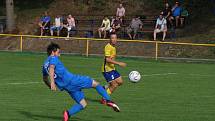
(108, 69)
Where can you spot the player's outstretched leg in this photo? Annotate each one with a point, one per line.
(81, 103)
(72, 111)
(104, 94)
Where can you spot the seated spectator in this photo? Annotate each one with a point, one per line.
(104, 27)
(58, 25)
(161, 26)
(112, 20)
(134, 26)
(176, 13)
(44, 23)
(167, 13)
(116, 25)
(184, 16)
(70, 25)
(120, 12)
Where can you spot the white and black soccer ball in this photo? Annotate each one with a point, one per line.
(134, 76)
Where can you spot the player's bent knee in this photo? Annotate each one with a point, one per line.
(95, 83)
(114, 84)
(120, 82)
(83, 103)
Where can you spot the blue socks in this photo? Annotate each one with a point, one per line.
(78, 107)
(102, 92)
(75, 109)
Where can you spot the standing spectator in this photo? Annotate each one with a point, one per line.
(104, 27)
(176, 12)
(120, 12)
(70, 25)
(58, 25)
(161, 26)
(167, 13)
(44, 23)
(134, 26)
(116, 25)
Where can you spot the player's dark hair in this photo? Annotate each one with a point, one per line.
(52, 48)
(112, 34)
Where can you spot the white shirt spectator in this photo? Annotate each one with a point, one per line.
(162, 23)
(106, 23)
(57, 22)
(120, 12)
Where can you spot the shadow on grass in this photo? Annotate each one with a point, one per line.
(93, 100)
(38, 117)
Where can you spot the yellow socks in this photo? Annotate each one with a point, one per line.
(108, 91)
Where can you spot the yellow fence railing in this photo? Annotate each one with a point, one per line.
(157, 43)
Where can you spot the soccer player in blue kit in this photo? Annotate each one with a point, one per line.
(60, 77)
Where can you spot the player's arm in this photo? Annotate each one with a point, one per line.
(111, 60)
(46, 81)
(51, 75)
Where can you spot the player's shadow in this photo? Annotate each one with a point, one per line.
(30, 115)
(93, 100)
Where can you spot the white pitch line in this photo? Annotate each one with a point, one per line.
(28, 83)
(21, 83)
(164, 74)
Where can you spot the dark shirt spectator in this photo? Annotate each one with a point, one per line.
(184, 16)
(116, 25)
(167, 13)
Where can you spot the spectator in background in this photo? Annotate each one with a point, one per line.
(134, 26)
(184, 16)
(57, 25)
(161, 26)
(116, 25)
(167, 13)
(70, 25)
(120, 12)
(176, 12)
(104, 27)
(44, 23)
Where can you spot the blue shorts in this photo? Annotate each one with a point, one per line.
(75, 88)
(56, 28)
(111, 75)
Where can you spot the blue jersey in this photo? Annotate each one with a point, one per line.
(62, 76)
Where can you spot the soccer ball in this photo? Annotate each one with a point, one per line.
(134, 76)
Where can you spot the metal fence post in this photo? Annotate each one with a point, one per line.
(156, 51)
(87, 48)
(21, 39)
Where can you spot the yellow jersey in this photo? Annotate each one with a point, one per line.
(109, 51)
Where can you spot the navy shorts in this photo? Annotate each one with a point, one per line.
(111, 75)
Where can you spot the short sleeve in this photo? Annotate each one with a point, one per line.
(157, 22)
(44, 72)
(53, 60)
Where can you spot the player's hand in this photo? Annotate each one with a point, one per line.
(122, 64)
(53, 87)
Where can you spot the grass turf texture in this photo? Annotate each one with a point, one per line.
(167, 92)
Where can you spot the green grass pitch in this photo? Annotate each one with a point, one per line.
(168, 91)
